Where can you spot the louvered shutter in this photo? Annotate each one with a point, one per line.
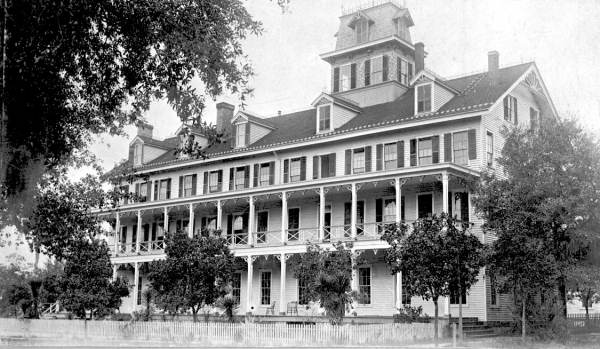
(379, 210)
(137, 189)
(400, 154)
(247, 139)
(155, 190)
(450, 200)
(448, 147)
(413, 152)
(435, 149)
(379, 157)
(180, 186)
(148, 190)
(399, 69)
(286, 170)
(256, 174)
(303, 168)
(194, 183)
(315, 167)
(336, 79)
(367, 72)
(348, 163)
(231, 178)
(272, 172)
(353, 75)
(368, 158)
(230, 225)
(472, 144)
(516, 111)
(169, 188)
(247, 176)
(385, 66)
(205, 183)
(505, 101)
(220, 176)
(331, 165)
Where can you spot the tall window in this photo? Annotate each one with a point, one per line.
(510, 109)
(493, 289)
(425, 151)
(460, 146)
(240, 178)
(390, 156)
(406, 297)
(358, 160)
(236, 287)
(345, 77)
(534, 118)
(241, 135)
(489, 149)
(163, 188)
(404, 71)
(364, 285)
(265, 288)
(424, 98)
(376, 70)
(324, 118)
(139, 291)
(295, 169)
(302, 292)
(187, 185)
(389, 210)
(144, 191)
(213, 181)
(454, 298)
(362, 31)
(137, 154)
(265, 174)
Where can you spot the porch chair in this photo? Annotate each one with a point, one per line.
(271, 308)
(292, 308)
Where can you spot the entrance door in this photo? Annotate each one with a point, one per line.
(327, 223)
(293, 224)
(425, 205)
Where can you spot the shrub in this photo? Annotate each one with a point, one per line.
(408, 314)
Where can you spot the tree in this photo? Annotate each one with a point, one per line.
(86, 283)
(432, 257)
(549, 193)
(585, 284)
(327, 276)
(195, 272)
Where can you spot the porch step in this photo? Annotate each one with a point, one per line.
(481, 331)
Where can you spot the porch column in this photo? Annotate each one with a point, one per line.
(138, 234)
(321, 213)
(282, 302)
(398, 290)
(191, 223)
(251, 219)
(284, 216)
(219, 214)
(117, 233)
(445, 210)
(114, 274)
(354, 284)
(249, 284)
(353, 213)
(398, 188)
(166, 220)
(136, 276)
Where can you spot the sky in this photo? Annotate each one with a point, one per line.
(562, 37)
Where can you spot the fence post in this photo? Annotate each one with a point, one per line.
(453, 335)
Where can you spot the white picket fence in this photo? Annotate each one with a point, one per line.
(238, 334)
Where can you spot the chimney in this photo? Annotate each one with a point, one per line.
(224, 117)
(419, 57)
(493, 61)
(144, 129)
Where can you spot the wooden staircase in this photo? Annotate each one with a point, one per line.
(473, 328)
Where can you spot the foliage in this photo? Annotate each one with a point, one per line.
(435, 255)
(327, 275)
(86, 283)
(409, 314)
(194, 273)
(545, 206)
(585, 285)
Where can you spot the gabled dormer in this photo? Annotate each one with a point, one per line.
(360, 23)
(248, 128)
(144, 148)
(333, 112)
(431, 92)
(186, 134)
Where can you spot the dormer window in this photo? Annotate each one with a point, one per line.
(324, 118)
(137, 155)
(241, 135)
(424, 98)
(362, 31)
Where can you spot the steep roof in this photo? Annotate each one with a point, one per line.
(477, 92)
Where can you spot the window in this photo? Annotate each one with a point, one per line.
(293, 224)
(406, 297)
(458, 205)
(324, 118)
(265, 288)
(377, 70)
(425, 151)
(424, 205)
(345, 77)
(424, 98)
(139, 291)
(358, 160)
(302, 292)
(510, 109)
(460, 149)
(142, 191)
(137, 154)
(389, 210)
(454, 298)
(404, 71)
(209, 223)
(262, 226)
(240, 135)
(493, 289)
(362, 31)
(295, 169)
(188, 185)
(534, 118)
(213, 180)
(489, 148)
(236, 287)
(163, 189)
(364, 285)
(390, 156)
(240, 178)
(327, 163)
(401, 29)
(265, 174)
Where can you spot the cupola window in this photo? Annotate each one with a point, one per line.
(362, 31)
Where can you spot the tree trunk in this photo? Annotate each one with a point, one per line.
(435, 320)
(460, 319)
(585, 301)
(195, 314)
(523, 318)
(562, 294)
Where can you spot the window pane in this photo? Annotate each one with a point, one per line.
(425, 151)
(460, 146)
(424, 98)
(295, 170)
(490, 149)
(390, 157)
(241, 135)
(358, 160)
(240, 177)
(324, 118)
(265, 288)
(236, 287)
(345, 77)
(187, 186)
(214, 181)
(364, 285)
(389, 210)
(377, 70)
(163, 190)
(264, 174)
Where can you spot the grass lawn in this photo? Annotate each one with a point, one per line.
(576, 341)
